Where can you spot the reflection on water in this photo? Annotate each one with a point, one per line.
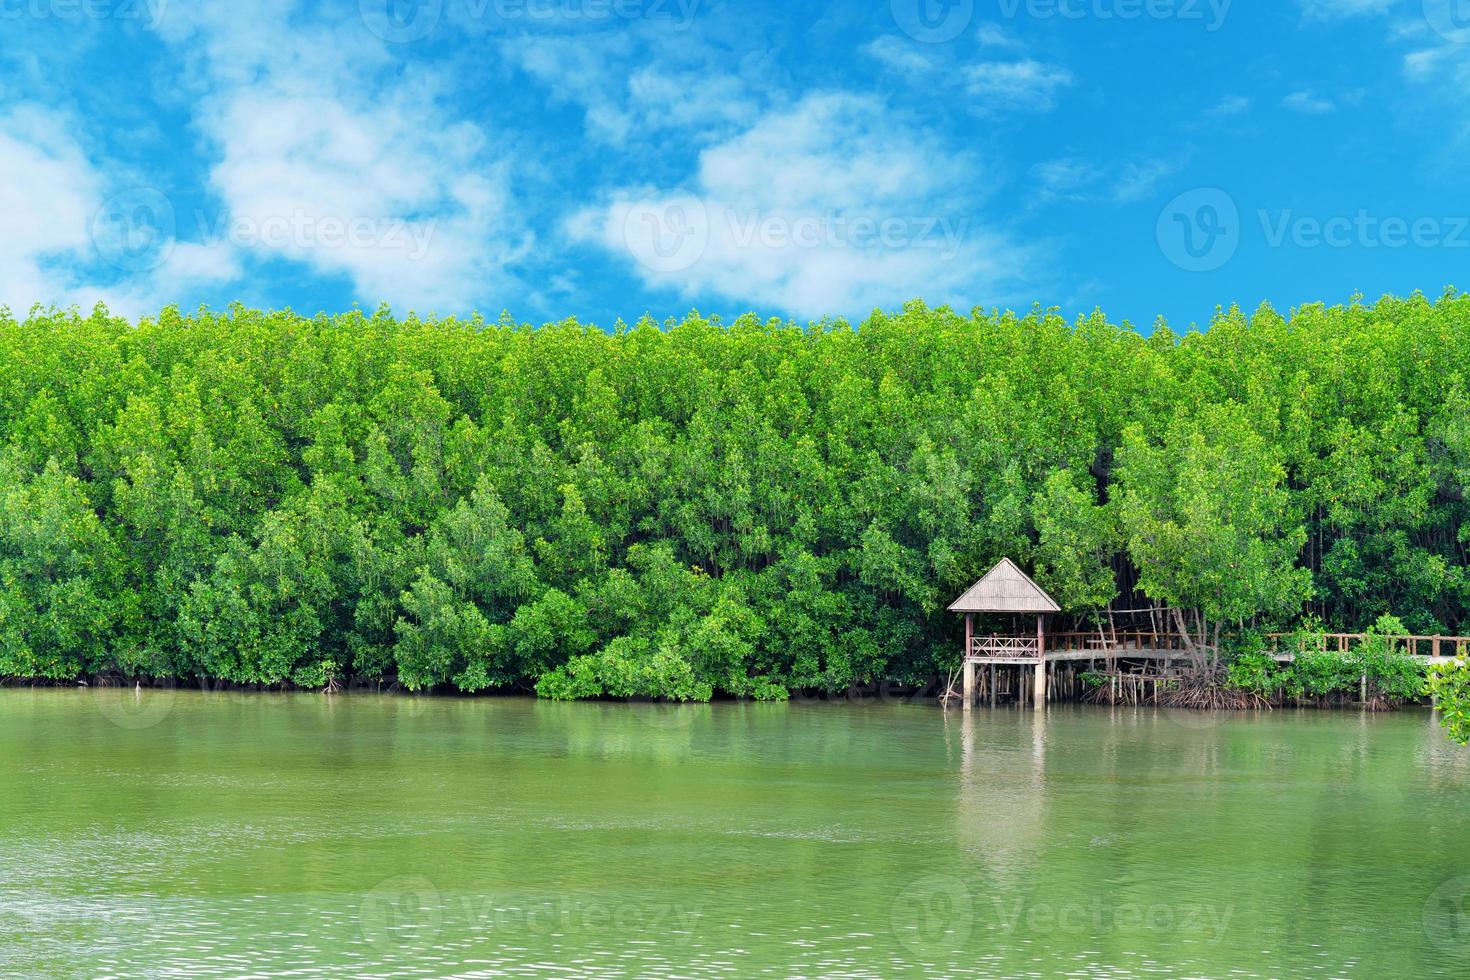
(178, 834)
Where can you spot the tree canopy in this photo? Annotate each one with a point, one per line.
(694, 508)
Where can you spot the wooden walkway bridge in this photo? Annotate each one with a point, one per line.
(1150, 645)
(1058, 657)
(1434, 649)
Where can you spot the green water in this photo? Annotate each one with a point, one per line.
(190, 835)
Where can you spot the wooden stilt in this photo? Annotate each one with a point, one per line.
(1040, 684)
(969, 685)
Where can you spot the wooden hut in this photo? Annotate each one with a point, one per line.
(1008, 590)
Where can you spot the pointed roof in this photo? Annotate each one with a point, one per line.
(1005, 589)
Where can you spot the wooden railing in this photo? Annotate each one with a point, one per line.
(1019, 647)
(1121, 642)
(1415, 646)
(1112, 643)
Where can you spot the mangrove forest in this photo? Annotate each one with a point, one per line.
(699, 508)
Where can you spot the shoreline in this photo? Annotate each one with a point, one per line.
(870, 696)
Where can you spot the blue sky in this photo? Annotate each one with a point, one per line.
(607, 158)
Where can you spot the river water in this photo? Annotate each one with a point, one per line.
(180, 834)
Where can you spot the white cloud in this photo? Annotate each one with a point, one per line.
(901, 56)
(1444, 72)
(681, 83)
(1137, 181)
(1021, 85)
(1072, 179)
(1065, 177)
(1229, 107)
(995, 36)
(1422, 65)
(329, 154)
(183, 266)
(1307, 102)
(59, 240)
(48, 194)
(831, 206)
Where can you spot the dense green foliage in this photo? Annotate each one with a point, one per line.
(698, 508)
(1449, 685)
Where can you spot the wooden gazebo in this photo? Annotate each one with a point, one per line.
(1008, 590)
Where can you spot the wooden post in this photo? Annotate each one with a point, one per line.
(1039, 688)
(969, 666)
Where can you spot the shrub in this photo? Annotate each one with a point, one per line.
(1389, 670)
(1449, 685)
(1323, 673)
(628, 667)
(1256, 673)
